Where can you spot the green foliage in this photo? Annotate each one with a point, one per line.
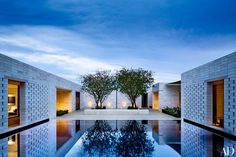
(61, 112)
(175, 111)
(99, 85)
(134, 82)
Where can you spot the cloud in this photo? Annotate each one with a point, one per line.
(69, 52)
(70, 63)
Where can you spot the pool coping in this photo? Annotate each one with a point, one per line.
(212, 129)
(20, 128)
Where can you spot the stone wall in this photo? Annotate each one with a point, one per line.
(37, 91)
(197, 91)
(168, 95)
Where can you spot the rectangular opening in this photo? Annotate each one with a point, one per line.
(14, 145)
(218, 103)
(63, 100)
(13, 103)
(217, 145)
(63, 132)
(77, 100)
(155, 100)
(145, 100)
(77, 125)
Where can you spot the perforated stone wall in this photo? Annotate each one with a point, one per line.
(194, 142)
(196, 91)
(37, 102)
(37, 91)
(35, 141)
(4, 147)
(3, 104)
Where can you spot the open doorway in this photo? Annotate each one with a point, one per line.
(155, 100)
(63, 100)
(77, 100)
(145, 100)
(13, 103)
(218, 103)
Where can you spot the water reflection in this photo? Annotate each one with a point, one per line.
(99, 139)
(133, 141)
(199, 142)
(114, 138)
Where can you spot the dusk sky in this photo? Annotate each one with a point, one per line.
(73, 37)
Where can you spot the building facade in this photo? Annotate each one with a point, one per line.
(165, 95)
(29, 94)
(209, 94)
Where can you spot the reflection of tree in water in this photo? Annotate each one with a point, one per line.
(133, 141)
(99, 139)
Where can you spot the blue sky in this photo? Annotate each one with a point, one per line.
(73, 37)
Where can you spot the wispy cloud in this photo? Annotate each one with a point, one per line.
(69, 52)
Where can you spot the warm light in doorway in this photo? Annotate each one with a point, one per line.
(109, 104)
(90, 104)
(124, 104)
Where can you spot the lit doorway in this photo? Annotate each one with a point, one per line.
(218, 103)
(13, 103)
(63, 100)
(155, 101)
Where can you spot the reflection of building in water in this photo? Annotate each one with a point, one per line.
(32, 142)
(199, 142)
(167, 133)
(67, 134)
(3, 147)
(13, 146)
(48, 139)
(194, 141)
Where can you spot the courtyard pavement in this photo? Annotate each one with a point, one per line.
(153, 115)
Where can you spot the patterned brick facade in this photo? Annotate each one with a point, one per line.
(196, 91)
(37, 91)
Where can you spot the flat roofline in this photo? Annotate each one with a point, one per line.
(33, 67)
(210, 62)
(175, 83)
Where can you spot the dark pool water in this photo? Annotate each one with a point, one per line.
(115, 138)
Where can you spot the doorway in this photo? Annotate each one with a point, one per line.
(155, 101)
(218, 103)
(145, 100)
(63, 100)
(77, 100)
(13, 103)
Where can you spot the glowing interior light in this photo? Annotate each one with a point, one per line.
(124, 104)
(90, 104)
(109, 104)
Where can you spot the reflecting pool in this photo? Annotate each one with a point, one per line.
(114, 138)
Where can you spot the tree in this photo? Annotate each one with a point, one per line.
(134, 83)
(99, 139)
(133, 141)
(99, 85)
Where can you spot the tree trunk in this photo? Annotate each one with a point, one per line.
(133, 101)
(97, 103)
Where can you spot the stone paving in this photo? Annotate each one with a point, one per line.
(153, 115)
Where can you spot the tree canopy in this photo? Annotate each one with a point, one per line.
(99, 85)
(134, 83)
